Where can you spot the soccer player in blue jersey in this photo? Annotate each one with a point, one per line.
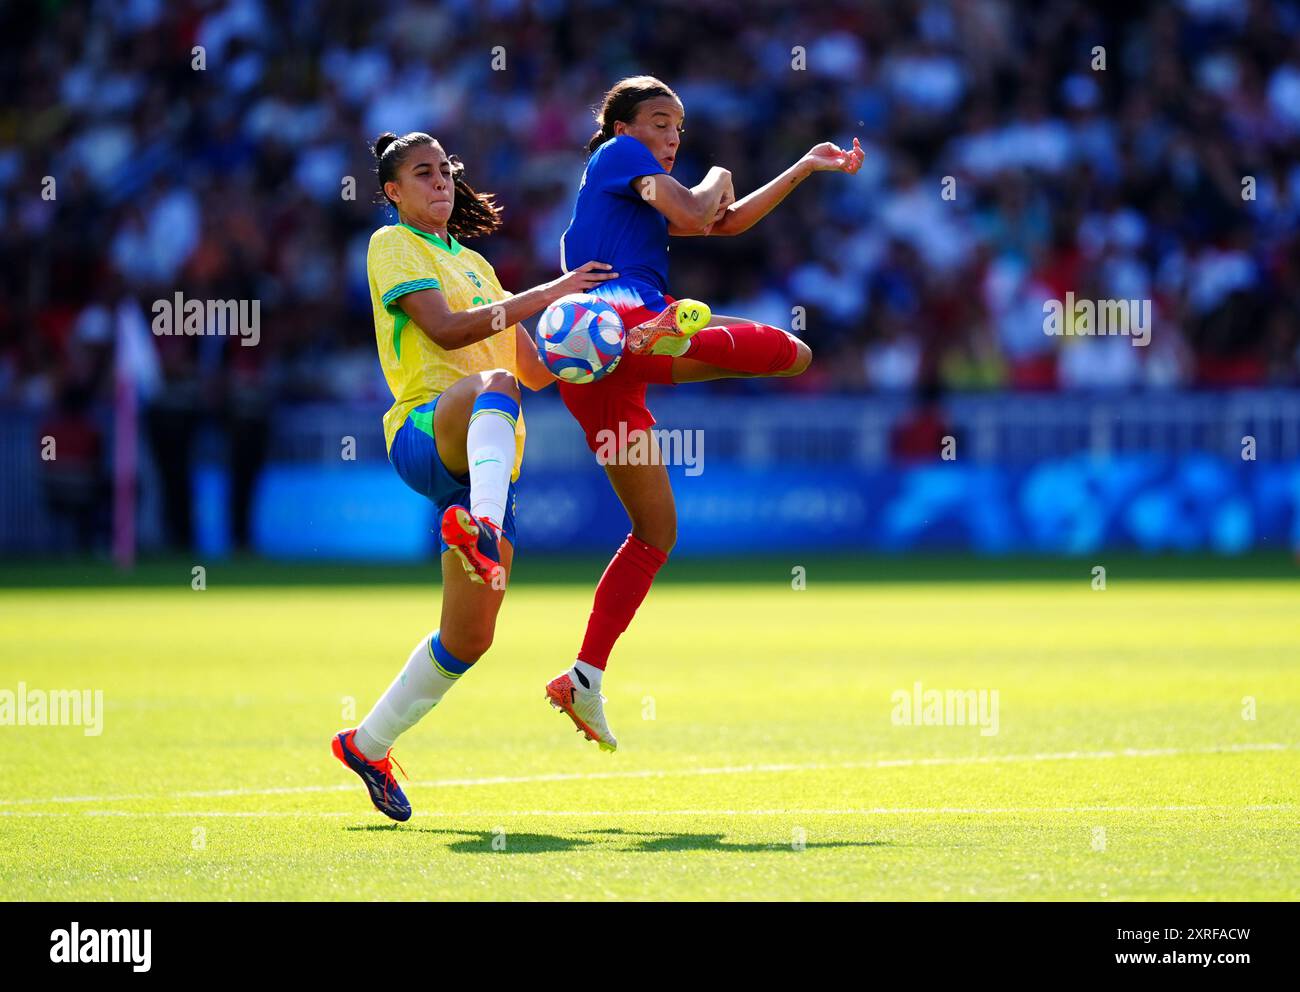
(628, 206)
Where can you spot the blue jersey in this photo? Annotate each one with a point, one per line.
(612, 223)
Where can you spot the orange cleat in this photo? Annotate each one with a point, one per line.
(585, 708)
(669, 332)
(476, 544)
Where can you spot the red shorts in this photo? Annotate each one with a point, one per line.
(619, 398)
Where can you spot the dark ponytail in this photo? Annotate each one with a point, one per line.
(473, 214)
(620, 104)
(382, 143)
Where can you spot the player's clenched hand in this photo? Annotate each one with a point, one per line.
(583, 278)
(728, 194)
(829, 156)
(728, 198)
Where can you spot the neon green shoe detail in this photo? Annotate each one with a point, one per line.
(692, 316)
(669, 333)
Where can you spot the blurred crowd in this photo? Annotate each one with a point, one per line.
(1016, 152)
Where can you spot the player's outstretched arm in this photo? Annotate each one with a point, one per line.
(451, 329)
(748, 211)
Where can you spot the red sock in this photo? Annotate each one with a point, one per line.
(620, 592)
(757, 348)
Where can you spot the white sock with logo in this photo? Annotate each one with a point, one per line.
(490, 443)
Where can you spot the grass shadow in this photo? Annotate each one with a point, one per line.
(667, 840)
(637, 841)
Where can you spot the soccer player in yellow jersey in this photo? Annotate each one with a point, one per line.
(454, 355)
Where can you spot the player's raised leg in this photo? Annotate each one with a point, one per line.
(716, 346)
(734, 347)
(474, 424)
(647, 495)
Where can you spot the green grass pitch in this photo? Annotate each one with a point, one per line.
(759, 757)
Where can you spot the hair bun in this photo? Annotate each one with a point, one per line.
(382, 143)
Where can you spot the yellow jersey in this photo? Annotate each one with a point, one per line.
(402, 260)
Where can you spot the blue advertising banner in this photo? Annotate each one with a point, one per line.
(359, 511)
(1071, 505)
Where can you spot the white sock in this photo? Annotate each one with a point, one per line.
(581, 670)
(416, 690)
(490, 443)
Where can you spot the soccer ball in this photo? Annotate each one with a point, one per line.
(580, 338)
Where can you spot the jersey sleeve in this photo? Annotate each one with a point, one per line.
(623, 160)
(399, 267)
